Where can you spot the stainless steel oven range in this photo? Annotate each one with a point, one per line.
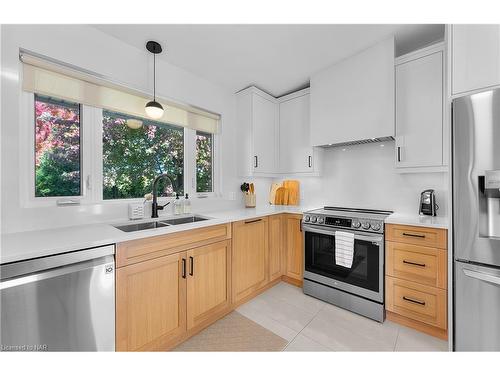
(359, 288)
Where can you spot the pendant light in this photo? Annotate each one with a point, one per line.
(154, 109)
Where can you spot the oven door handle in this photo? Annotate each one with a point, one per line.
(357, 236)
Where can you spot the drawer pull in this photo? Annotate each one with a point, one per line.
(191, 266)
(414, 301)
(414, 235)
(252, 221)
(414, 264)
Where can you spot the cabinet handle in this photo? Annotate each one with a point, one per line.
(413, 263)
(255, 161)
(399, 154)
(252, 221)
(414, 301)
(183, 268)
(414, 235)
(310, 161)
(300, 225)
(191, 266)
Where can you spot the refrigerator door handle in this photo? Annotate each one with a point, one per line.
(482, 276)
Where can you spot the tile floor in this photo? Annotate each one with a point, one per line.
(309, 324)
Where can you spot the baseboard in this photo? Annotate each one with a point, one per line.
(419, 326)
(290, 280)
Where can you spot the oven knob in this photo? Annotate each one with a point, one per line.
(313, 219)
(307, 218)
(356, 224)
(365, 225)
(320, 220)
(376, 226)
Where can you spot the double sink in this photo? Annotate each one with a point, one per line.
(160, 223)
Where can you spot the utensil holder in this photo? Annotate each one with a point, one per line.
(250, 200)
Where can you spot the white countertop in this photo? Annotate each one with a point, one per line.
(418, 220)
(33, 244)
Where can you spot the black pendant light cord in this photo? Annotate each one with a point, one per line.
(154, 77)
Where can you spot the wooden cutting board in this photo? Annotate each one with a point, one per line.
(280, 195)
(293, 189)
(272, 193)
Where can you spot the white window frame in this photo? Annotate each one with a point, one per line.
(91, 168)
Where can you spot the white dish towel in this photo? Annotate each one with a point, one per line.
(344, 248)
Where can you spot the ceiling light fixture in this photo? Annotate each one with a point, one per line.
(153, 108)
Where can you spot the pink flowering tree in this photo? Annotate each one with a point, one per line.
(57, 149)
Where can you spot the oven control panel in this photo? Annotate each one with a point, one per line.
(338, 221)
(343, 222)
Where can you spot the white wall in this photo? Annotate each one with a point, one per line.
(88, 48)
(364, 177)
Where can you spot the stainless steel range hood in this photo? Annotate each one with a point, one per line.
(360, 142)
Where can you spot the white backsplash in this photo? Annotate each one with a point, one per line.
(364, 177)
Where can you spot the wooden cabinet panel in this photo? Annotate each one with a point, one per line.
(275, 246)
(249, 259)
(294, 247)
(425, 265)
(423, 236)
(208, 282)
(419, 111)
(415, 301)
(136, 251)
(150, 303)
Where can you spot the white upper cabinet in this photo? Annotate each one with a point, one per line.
(257, 133)
(419, 108)
(296, 153)
(354, 99)
(475, 57)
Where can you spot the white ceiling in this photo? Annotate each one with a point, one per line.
(276, 58)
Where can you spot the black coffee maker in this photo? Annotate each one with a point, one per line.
(428, 205)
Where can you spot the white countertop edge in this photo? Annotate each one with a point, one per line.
(21, 246)
(35, 244)
(418, 220)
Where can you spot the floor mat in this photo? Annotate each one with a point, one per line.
(233, 333)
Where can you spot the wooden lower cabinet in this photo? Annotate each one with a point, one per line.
(250, 251)
(165, 294)
(208, 282)
(276, 247)
(294, 248)
(416, 278)
(150, 303)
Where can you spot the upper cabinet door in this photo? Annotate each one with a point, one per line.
(296, 153)
(475, 57)
(256, 133)
(354, 99)
(264, 121)
(419, 111)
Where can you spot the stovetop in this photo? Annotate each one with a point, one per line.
(366, 220)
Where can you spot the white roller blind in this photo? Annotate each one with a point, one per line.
(47, 78)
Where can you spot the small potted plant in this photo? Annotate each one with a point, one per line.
(249, 193)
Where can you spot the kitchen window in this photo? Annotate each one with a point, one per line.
(87, 141)
(204, 162)
(133, 157)
(57, 148)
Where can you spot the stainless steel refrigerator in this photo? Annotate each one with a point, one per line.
(476, 221)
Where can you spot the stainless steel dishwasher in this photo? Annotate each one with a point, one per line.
(64, 302)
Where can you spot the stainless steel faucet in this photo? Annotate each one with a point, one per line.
(155, 207)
